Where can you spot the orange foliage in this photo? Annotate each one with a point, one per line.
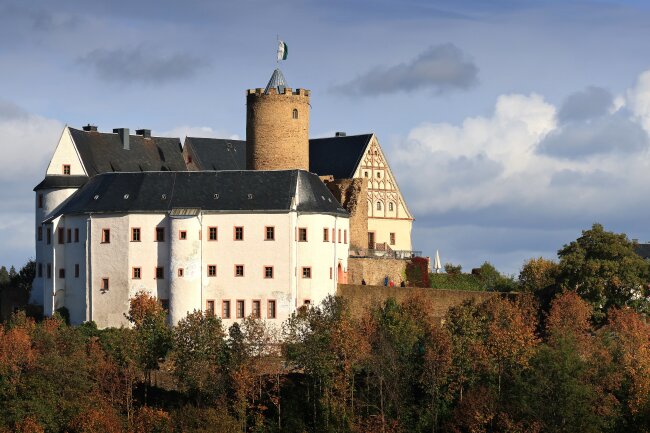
(150, 420)
(569, 317)
(143, 305)
(16, 351)
(97, 419)
(28, 425)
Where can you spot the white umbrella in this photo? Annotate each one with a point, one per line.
(436, 263)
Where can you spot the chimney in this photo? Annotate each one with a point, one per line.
(124, 136)
(146, 133)
(90, 128)
(341, 134)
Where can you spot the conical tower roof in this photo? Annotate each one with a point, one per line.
(277, 80)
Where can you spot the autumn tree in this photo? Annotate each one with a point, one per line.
(603, 268)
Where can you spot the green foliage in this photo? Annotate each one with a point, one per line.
(456, 282)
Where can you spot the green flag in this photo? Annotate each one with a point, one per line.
(282, 51)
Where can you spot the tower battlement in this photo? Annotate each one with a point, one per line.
(284, 91)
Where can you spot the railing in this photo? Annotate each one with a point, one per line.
(384, 253)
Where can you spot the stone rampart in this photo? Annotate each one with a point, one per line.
(351, 193)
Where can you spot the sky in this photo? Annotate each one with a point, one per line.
(510, 125)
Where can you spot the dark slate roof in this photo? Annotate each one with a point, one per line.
(337, 156)
(103, 153)
(277, 81)
(642, 250)
(217, 153)
(61, 181)
(270, 191)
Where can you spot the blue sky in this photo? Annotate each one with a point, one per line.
(510, 125)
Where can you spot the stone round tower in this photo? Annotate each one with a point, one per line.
(277, 127)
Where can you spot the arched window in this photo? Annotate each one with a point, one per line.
(295, 113)
(378, 205)
(390, 206)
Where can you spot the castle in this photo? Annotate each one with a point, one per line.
(236, 228)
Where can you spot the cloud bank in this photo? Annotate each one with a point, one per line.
(440, 68)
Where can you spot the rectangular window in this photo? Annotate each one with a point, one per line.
(392, 238)
(181, 272)
(164, 303)
(135, 234)
(333, 236)
(225, 309)
(330, 272)
(76, 235)
(302, 235)
(239, 233)
(209, 308)
(106, 236)
(268, 271)
(40, 233)
(40, 201)
(306, 302)
(212, 234)
(212, 270)
(49, 270)
(182, 235)
(326, 235)
(136, 273)
(76, 270)
(306, 272)
(68, 237)
(339, 236)
(160, 273)
(160, 234)
(239, 270)
(105, 285)
(269, 233)
(345, 236)
(49, 236)
(240, 309)
(66, 169)
(257, 307)
(61, 236)
(270, 309)
(40, 270)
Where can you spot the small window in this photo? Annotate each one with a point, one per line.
(61, 236)
(66, 169)
(345, 236)
(61, 273)
(40, 233)
(270, 309)
(182, 235)
(209, 308)
(189, 159)
(239, 233)
(212, 270)
(379, 175)
(270, 234)
(239, 270)
(306, 302)
(240, 309)
(160, 234)
(40, 270)
(306, 272)
(76, 270)
(212, 233)
(392, 238)
(40, 201)
(68, 237)
(160, 273)
(164, 303)
(105, 285)
(257, 307)
(365, 174)
(135, 234)
(49, 236)
(331, 272)
(181, 272)
(268, 271)
(339, 235)
(294, 114)
(333, 236)
(302, 235)
(225, 309)
(326, 235)
(378, 205)
(49, 270)
(391, 207)
(106, 236)
(76, 235)
(136, 273)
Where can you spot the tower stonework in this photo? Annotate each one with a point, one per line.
(277, 127)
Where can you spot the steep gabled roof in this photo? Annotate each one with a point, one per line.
(103, 152)
(226, 191)
(337, 156)
(217, 153)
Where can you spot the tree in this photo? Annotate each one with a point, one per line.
(603, 268)
(494, 280)
(537, 275)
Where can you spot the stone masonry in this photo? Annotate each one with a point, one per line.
(350, 193)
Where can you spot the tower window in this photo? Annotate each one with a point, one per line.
(295, 113)
(390, 206)
(378, 205)
(66, 169)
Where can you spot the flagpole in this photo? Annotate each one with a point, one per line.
(277, 44)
